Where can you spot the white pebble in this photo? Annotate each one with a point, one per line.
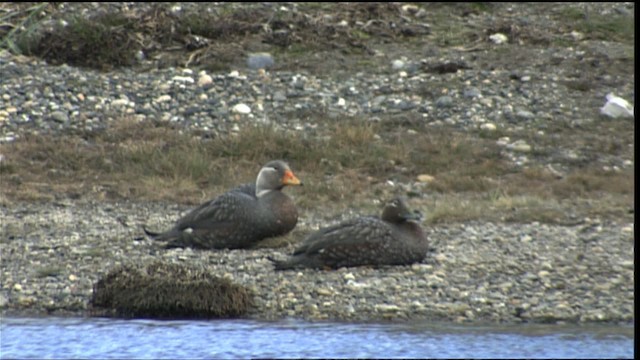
(163, 98)
(616, 107)
(498, 38)
(120, 102)
(204, 79)
(488, 126)
(241, 109)
(183, 79)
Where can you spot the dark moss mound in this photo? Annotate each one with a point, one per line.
(165, 290)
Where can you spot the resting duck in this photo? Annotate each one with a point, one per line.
(240, 217)
(393, 239)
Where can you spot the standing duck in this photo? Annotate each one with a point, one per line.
(240, 217)
(393, 239)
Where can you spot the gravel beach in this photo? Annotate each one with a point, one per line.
(480, 271)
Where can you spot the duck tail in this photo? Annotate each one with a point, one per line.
(151, 234)
(281, 264)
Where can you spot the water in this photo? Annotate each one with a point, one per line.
(107, 338)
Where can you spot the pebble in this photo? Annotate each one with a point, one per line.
(498, 38)
(260, 61)
(324, 292)
(349, 276)
(444, 101)
(472, 93)
(488, 126)
(163, 98)
(523, 114)
(397, 64)
(241, 109)
(59, 116)
(204, 80)
(425, 178)
(520, 146)
(183, 79)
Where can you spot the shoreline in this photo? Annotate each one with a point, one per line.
(477, 273)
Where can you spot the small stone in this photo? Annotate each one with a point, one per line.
(183, 79)
(73, 277)
(59, 116)
(526, 238)
(426, 178)
(387, 308)
(349, 276)
(503, 141)
(577, 36)
(488, 127)
(279, 95)
(397, 64)
(543, 273)
(617, 107)
(498, 38)
(260, 61)
(444, 101)
(204, 80)
(440, 257)
(546, 266)
(523, 114)
(627, 264)
(17, 287)
(119, 102)
(410, 8)
(26, 301)
(241, 109)
(520, 146)
(162, 98)
(324, 292)
(472, 93)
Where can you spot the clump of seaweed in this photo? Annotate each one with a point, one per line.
(167, 291)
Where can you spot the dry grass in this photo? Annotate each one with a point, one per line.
(345, 167)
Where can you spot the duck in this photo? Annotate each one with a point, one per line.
(394, 238)
(241, 217)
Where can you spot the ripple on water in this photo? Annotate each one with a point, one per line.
(108, 338)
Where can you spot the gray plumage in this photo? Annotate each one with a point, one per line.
(240, 217)
(393, 239)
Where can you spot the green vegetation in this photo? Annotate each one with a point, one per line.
(610, 27)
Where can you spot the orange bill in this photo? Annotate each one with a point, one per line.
(290, 179)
